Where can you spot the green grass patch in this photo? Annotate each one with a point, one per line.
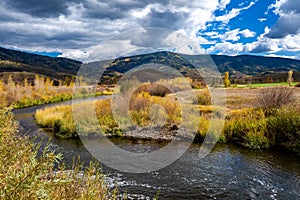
(259, 85)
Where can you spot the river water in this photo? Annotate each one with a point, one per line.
(228, 172)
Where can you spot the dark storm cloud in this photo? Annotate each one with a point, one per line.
(291, 6)
(40, 8)
(287, 25)
(115, 9)
(65, 25)
(165, 19)
(289, 21)
(261, 48)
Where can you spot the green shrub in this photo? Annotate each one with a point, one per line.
(248, 127)
(284, 128)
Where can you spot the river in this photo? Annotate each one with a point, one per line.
(228, 172)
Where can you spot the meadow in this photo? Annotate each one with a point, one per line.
(252, 119)
(261, 85)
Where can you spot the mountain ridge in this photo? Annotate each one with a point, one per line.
(239, 67)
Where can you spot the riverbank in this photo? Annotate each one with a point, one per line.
(256, 128)
(24, 103)
(26, 174)
(221, 174)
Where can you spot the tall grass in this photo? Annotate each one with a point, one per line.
(59, 119)
(41, 91)
(25, 175)
(283, 128)
(250, 127)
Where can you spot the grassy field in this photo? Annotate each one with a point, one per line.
(247, 121)
(260, 85)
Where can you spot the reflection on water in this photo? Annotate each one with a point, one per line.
(229, 172)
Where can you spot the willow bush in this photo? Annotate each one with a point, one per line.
(26, 174)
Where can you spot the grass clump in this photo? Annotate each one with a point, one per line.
(58, 120)
(248, 127)
(27, 174)
(284, 128)
(203, 97)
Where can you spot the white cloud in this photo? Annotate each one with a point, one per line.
(223, 4)
(262, 19)
(212, 33)
(202, 40)
(75, 54)
(290, 42)
(233, 13)
(285, 34)
(247, 33)
(281, 56)
(233, 35)
(227, 48)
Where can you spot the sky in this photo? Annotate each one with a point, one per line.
(71, 28)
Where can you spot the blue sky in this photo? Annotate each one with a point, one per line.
(230, 27)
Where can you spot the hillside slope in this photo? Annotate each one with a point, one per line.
(239, 67)
(55, 68)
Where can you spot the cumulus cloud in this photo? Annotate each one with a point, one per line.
(263, 44)
(286, 25)
(79, 24)
(227, 48)
(284, 35)
(232, 35)
(75, 27)
(144, 40)
(247, 33)
(289, 19)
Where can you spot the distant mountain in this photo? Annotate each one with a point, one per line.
(239, 67)
(255, 65)
(55, 68)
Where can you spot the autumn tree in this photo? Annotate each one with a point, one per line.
(290, 77)
(226, 80)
